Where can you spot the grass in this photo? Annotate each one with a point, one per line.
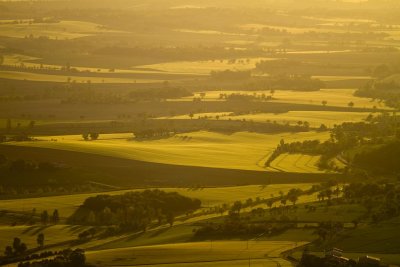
(243, 150)
(219, 253)
(315, 118)
(296, 163)
(67, 204)
(334, 97)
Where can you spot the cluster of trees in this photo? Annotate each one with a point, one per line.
(153, 134)
(388, 91)
(90, 136)
(21, 165)
(381, 200)
(134, 210)
(30, 257)
(45, 218)
(65, 258)
(17, 248)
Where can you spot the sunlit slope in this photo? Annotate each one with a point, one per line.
(67, 204)
(244, 150)
(221, 253)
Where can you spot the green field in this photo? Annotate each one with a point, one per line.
(218, 253)
(243, 150)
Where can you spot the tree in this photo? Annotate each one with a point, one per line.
(56, 216)
(8, 125)
(77, 258)
(191, 115)
(8, 251)
(44, 217)
(170, 219)
(94, 136)
(351, 104)
(31, 124)
(324, 103)
(40, 240)
(85, 136)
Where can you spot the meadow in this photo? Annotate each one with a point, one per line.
(206, 149)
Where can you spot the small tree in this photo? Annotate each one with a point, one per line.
(44, 217)
(40, 240)
(85, 136)
(351, 104)
(324, 103)
(56, 216)
(8, 251)
(94, 136)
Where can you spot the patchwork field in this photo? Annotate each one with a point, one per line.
(296, 163)
(243, 150)
(220, 253)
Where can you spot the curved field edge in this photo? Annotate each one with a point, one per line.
(118, 171)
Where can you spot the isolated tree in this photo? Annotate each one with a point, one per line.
(44, 217)
(40, 240)
(324, 103)
(8, 251)
(8, 125)
(56, 216)
(351, 104)
(85, 136)
(94, 136)
(31, 124)
(191, 115)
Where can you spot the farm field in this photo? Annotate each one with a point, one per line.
(67, 204)
(218, 253)
(57, 30)
(334, 97)
(54, 234)
(296, 163)
(205, 149)
(315, 118)
(36, 77)
(205, 67)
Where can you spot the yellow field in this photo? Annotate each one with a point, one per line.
(209, 196)
(241, 150)
(220, 253)
(59, 30)
(315, 118)
(334, 97)
(53, 234)
(205, 67)
(296, 163)
(29, 76)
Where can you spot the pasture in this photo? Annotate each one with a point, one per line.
(242, 150)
